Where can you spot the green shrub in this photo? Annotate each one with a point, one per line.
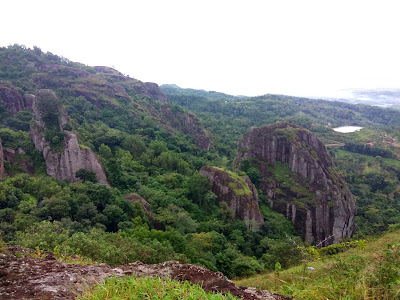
(149, 288)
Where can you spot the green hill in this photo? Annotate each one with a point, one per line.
(151, 143)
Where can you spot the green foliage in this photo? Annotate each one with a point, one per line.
(292, 183)
(237, 184)
(368, 150)
(374, 183)
(370, 272)
(140, 156)
(149, 288)
(86, 175)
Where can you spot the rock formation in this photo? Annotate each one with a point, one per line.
(2, 170)
(149, 89)
(24, 277)
(153, 91)
(12, 99)
(63, 163)
(238, 192)
(18, 159)
(301, 181)
(189, 124)
(132, 198)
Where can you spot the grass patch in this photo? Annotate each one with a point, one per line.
(290, 180)
(149, 288)
(243, 188)
(371, 273)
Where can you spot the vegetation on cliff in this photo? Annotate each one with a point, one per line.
(144, 151)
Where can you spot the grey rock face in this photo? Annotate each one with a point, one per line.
(46, 278)
(317, 200)
(12, 99)
(241, 195)
(154, 92)
(2, 170)
(189, 124)
(63, 164)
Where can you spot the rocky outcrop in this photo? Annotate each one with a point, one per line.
(2, 170)
(189, 124)
(95, 89)
(182, 121)
(132, 198)
(63, 163)
(148, 89)
(301, 181)
(153, 91)
(25, 277)
(12, 99)
(19, 160)
(238, 192)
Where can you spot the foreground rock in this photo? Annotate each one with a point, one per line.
(301, 181)
(31, 278)
(238, 192)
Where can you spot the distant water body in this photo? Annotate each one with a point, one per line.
(347, 129)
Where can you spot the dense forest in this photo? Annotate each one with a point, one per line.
(143, 154)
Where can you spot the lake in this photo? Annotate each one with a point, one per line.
(347, 129)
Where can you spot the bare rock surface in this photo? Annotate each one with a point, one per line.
(63, 164)
(2, 170)
(189, 124)
(27, 277)
(310, 191)
(16, 157)
(12, 99)
(239, 193)
(182, 121)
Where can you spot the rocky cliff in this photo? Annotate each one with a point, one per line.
(12, 99)
(2, 170)
(65, 162)
(149, 89)
(189, 124)
(238, 192)
(301, 181)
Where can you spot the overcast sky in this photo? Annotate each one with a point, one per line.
(305, 48)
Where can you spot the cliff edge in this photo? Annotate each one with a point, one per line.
(301, 181)
(238, 192)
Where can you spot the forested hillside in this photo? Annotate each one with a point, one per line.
(371, 169)
(151, 143)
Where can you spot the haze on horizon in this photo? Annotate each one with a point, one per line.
(302, 48)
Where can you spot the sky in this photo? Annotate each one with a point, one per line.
(301, 48)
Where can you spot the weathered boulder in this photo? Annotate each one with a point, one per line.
(12, 99)
(25, 277)
(2, 170)
(63, 163)
(301, 181)
(238, 192)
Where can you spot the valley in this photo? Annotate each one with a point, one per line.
(108, 169)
